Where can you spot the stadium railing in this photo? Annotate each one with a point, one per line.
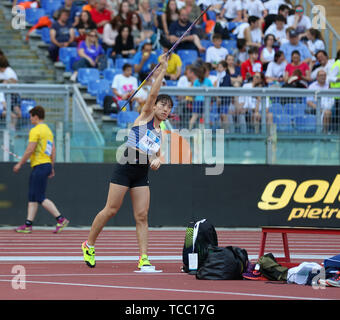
(294, 134)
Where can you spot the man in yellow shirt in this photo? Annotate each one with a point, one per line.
(41, 152)
(174, 69)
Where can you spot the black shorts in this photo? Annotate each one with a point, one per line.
(130, 175)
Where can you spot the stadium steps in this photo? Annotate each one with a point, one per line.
(30, 63)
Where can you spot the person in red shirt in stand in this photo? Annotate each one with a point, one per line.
(100, 15)
(252, 65)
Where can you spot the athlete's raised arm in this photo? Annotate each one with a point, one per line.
(148, 106)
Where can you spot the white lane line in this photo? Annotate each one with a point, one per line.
(134, 258)
(257, 295)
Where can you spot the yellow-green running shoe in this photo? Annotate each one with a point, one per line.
(89, 255)
(143, 261)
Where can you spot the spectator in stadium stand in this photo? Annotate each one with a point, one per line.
(143, 61)
(276, 69)
(252, 65)
(267, 52)
(100, 15)
(254, 8)
(124, 11)
(216, 52)
(232, 11)
(193, 10)
(177, 28)
(293, 45)
(89, 52)
(253, 34)
(326, 104)
(240, 54)
(74, 12)
(297, 70)
(252, 105)
(334, 80)
(135, 23)
(278, 29)
(186, 81)
(300, 22)
(110, 32)
(91, 4)
(133, 6)
(221, 73)
(174, 69)
(148, 17)
(124, 85)
(233, 70)
(273, 12)
(170, 15)
(315, 41)
(61, 34)
(201, 81)
(124, 46)
(9, 76)
(322, 63)
(84, 24)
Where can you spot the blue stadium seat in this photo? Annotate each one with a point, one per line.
(188, 56)
(171, 83)
(206, 43)
(126, 117)
(94, 86)
(45, 35)
(26, 106)
(230, 45)
(109, 74)
(276, 108)
(34, 14)
(283, 122)
(50, 6)
(102, 93)
(67, 56)
(87, 74)
(121, 61)
(211, 15)
(305, 123)
(295, 109)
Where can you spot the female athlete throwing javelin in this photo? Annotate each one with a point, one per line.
(142, 150)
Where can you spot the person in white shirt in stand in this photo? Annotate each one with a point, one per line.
(300, 22)
(232, 10)
(324, 64)
(315, 41)
(125, 84)
(276, 69)
(253, 33)
(326, 103)
(278, 29)
(216, 53)
(254, 8)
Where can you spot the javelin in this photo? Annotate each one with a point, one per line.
(167, 54)
(11, 153)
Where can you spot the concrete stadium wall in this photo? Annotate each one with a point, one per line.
(242, 196)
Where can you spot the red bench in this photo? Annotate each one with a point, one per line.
(284, 231)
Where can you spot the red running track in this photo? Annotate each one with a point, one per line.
(54, 268)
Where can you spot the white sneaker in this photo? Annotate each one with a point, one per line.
(73, 78)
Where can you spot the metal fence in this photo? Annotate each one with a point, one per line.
(220, 125)
(66, 114)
